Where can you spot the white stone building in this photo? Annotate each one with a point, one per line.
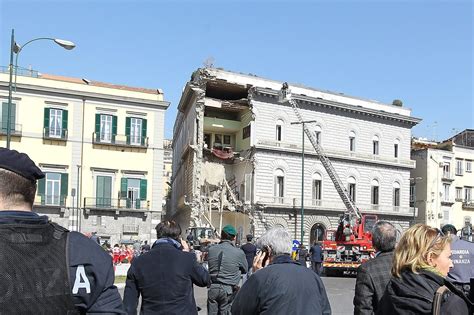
(443, 181)
(237, 153)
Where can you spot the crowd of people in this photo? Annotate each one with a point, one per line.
(50, 270)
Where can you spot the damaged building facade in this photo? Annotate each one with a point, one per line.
(237, 156)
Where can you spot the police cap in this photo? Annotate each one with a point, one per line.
(20, 163)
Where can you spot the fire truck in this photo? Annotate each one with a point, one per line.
(351, 244)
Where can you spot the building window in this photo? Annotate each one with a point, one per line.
(412, 194)
(246, 132)
(53, 189)
(459, 167)
(446, 192)
(207, 140)
(352, 141)
(375, 192)
(317, 189)
(467, 194)
(317, 134)
(446, 170)
(55, 123)
(396, 194)
(4, 117)
(135, 131)
(279, 191)
(468, 166)
(395, 149)
(105, 128)
(134, 191)
(103, 191)
(352, 188)
(375, 145)
(458, 193)
(279, 130)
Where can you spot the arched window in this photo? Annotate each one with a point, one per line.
(279, 190)
(317, 189)
(352, 188)
(375, 192)
(352, 141)
(396, 194)
(396, 146)
(279, 130)
(375, 145)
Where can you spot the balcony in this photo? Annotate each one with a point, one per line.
(120, 140)
(447, 176)
(55, 134)
(15, 129)
(447, 202)
(117, 205)
(130, 228)
(317, 204)
(468, 204)
(50, 201)
(293, 147)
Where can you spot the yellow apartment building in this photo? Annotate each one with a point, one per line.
(101, 147)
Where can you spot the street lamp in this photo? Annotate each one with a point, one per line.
(16, 49)
(302, 123)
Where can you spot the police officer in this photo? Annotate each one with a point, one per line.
(462, 254)
(45, 269)
(226, 264)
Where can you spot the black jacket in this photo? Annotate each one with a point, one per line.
(164, 277)
(91, 273)
(250, 251)
(414, 293)
(283, 287)
(372, 279)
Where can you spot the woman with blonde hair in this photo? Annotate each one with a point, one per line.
(421, 262)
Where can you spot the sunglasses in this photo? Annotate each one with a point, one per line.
(439, 235)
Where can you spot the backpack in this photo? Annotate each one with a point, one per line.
(438, 299)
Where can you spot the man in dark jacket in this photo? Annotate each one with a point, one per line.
(226, 264)
(44, 267)
(373, 275)
(282, 286)
(250, 251)
(164, 276)
(316, 257)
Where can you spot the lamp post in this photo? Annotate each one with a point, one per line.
(16, 49)
(302, 123)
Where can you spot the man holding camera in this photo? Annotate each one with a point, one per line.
(294, 289)
(226, 264)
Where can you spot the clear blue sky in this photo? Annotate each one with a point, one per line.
(418, 51)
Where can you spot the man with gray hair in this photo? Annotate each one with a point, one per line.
(374, 275)
(294, 289)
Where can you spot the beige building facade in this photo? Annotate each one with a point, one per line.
(101, 147)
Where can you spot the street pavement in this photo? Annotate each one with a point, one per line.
(340, 292)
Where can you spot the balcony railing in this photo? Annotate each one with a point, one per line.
(469, 204)
(15, 129)
(50, 200)
(447, 176)
(115, 204)
(21, 71)
(130, 228)
(55, 134)
(285, 202)
(335, 153)
(120, 140)
(447, 202)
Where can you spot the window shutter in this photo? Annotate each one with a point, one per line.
(4, 116)
(143, 187)
(12, 117)
(64, 188)
(123, 187)
(46, 121)
(97, 127)
(143, 131)
(127, 129)
(114, 128)
(64, 125)
(41, 189)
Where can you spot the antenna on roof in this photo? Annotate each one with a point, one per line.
(209, 62)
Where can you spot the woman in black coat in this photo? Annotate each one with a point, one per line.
(421, 263)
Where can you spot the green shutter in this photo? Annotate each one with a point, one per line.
(123, 187)
(41, 189)
(127, 129)
(143, 132)
(143, 187)
(4, 117)
(97, 127)
(46, 121)
(12, 117)
(64, 188)
(114, 128)
(64, 125)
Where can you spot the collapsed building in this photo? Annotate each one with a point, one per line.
(237, 156)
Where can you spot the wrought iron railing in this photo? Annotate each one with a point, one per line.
(15, 129)
(122, 140)
(57, 134)
(112, 203)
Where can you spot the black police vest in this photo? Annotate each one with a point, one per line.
(33, 270)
